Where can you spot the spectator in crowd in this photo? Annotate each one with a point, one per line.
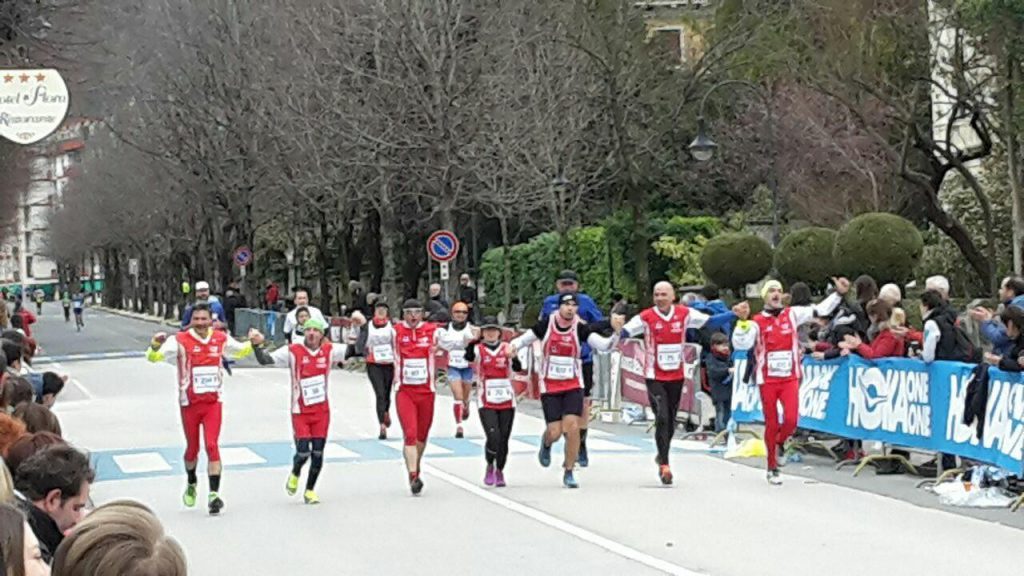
(37, 418)
(1013, 360)
(467, 294)
(357, 295)
(20, 554)
(120, 538)
(51, 385)
(18, 391)
(27, 445)
(272, 296)
(216, 308)
(719, 367)
(891, 293)
(25, 319)
(233, 300)
(867, 290)
(943, 339)
(800, 295)
(301, 300)
(5, 315)
(6, 484)
(54, 484)
(11, 429)
(885, 344)
(436, 304)
(1011, 293)
(18, 324)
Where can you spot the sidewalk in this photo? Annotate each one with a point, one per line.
(136, 315)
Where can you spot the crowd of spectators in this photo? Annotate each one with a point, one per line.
(45, 482)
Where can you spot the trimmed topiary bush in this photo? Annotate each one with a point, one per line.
(884, 246)
(806, 255)
(735, 260)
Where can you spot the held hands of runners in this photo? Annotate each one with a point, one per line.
(842, 285)
(158, 340)
(992, 359)
(357, 318)
(742, 310)
(256, 337)
(981, 314)
(475, 332)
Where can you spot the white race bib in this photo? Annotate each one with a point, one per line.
(780, 364)
(314, 390)
(205, 379)
(561, 368)
(457, 359)
(414, 371)
(670, 356)
(383, 353)
(498, 391)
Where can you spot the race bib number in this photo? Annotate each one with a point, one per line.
(383, 353)
(205, 379)
(314, 390)
(561, 368)
(457, 359)
(780, 364)
(414, 371)
(498, 391)
(670, 356)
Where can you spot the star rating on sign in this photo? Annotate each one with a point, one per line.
(24, 78)
(40, 77)
(8, 79)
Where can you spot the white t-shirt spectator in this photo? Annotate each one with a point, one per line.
(290, 323)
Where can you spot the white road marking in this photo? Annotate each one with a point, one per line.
(431, 449)
(608, 445)
(559, 524)
(240, 456)
(334, 450)
(514, 446)
(141, 463)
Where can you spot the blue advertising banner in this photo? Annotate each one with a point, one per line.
(904, 402)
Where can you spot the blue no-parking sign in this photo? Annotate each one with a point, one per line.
(443, 246)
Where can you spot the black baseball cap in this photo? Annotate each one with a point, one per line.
(381, 304)
(490, 322)
(412, 303)
(568, 276)
(568, 298)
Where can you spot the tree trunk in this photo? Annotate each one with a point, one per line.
(641, 247)
(506, 259)
(322, 264)
(1012, 156)
(956, 232)
(371, 246)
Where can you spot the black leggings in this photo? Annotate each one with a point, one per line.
(498, 426)
(309, 449)
(664, 397)
(381, 377)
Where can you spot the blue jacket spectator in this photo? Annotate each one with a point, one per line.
(1012, 294)
(588, 310)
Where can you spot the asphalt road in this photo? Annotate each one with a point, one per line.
(721, 518)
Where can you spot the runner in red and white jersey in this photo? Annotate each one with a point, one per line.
(415, 346)
(380, 362)
(198, 352)
(497, 398)
(309, 366)
(561, 375)
(452, 337)
(776, 361)
(664, 329)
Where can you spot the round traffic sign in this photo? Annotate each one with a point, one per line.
(443, 246)
(243, 256)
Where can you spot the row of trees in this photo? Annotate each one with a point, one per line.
(333, 137)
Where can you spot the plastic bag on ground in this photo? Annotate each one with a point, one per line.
(957, 494)
(749, 448)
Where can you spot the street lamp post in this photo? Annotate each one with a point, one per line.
(703, 147)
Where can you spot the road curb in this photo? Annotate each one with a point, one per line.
(137, 316)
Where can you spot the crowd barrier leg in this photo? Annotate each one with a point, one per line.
(947, 475)
(802, 446)
(1017, 503)
(740, 432)
(876, 458)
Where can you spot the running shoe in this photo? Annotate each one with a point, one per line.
(458, 432)
(216, 504)
(545, 454)
(189, 497)
(499, 479)
(387, 419)
(781, 451)
(774, 478)
(383, 433)
(416, 485)
(569, 480)
(465, 411)
(583, 459)
(292, 486)
(489, 478)
(665, 473)
(310, 497)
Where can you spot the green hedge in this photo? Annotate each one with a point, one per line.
(884, 246)
(806, 255)
(734, 260)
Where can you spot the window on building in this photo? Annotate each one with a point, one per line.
(28, 240)
(28, 266)
(669, 41)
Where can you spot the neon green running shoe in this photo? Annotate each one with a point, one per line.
(189, 497)
(292, 486)
(310, 497)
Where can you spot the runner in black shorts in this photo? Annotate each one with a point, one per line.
(561, 375)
